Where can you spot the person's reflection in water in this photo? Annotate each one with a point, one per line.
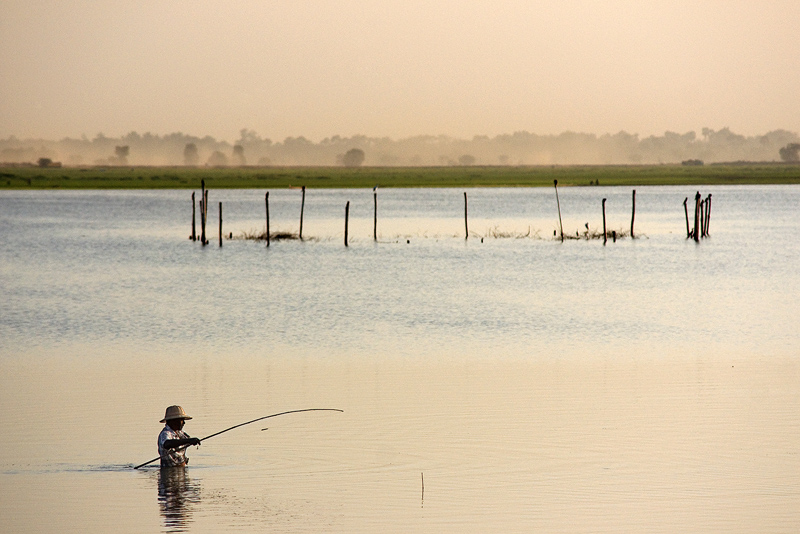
(177, 497)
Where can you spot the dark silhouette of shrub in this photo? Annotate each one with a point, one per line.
(190, 154)
(353, 158)
(790, 153)
(238, 155)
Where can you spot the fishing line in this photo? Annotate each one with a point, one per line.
(247, 423)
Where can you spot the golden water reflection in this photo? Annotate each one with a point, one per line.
(178, 497)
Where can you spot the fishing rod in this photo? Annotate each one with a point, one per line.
(247, 423)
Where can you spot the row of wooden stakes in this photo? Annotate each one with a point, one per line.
(702, 216)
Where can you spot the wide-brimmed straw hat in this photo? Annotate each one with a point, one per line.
(174, 412)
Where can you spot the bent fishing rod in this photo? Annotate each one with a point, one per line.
(247, 423)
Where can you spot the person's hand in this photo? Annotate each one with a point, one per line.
(194, 441)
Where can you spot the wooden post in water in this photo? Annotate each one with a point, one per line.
(708, 213)
(205, 209)
(194, 217)
(561, 226)
(686, 211)
(220, 224)
(375, 222)
(466, 224)
(346, 221)
(302, 208)
(702, 218)
(605, 234)
(205, 216)
(266, 201)
(633, 211)
(203, 199)
(697, 217)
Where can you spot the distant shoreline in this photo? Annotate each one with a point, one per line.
(31, 177)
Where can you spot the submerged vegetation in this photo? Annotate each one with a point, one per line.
(261, 235)
(495, 232)
(587, 235)
(30, 177)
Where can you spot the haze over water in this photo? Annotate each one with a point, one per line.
(649, 385)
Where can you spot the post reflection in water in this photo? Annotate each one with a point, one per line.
(177, 498)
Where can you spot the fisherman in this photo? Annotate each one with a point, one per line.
(173, 441)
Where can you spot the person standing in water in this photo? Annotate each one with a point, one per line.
(173, 441)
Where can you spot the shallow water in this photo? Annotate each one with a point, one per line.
(648, 385)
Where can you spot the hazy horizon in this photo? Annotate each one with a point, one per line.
(519, 148)
(396, 69)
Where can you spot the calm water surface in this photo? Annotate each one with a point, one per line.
(504, 383)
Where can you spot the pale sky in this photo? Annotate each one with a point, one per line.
(396, 68)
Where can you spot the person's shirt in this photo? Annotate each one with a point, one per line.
(171, 457)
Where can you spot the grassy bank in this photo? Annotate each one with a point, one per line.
(340, 177)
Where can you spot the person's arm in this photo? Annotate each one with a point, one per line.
(175, 443)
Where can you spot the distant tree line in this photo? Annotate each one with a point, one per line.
(519, 148)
